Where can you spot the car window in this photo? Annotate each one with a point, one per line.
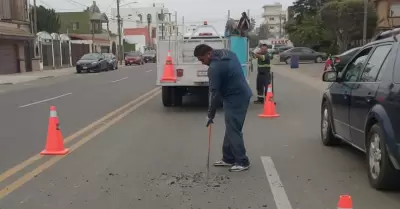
(355, 67)
(296, 50)
(396, 71)
(351, 51)
(91, 56)
(384, 66)
(305, 50)
(133, 54)
(374, 63)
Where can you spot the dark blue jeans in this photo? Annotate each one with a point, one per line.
(233, 149)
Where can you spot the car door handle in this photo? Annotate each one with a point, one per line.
(369, 97)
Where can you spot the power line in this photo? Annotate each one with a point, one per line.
(76, 3)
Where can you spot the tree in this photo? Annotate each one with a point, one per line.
(309, 33)
(344, 19)
(264, 32)
(47, 20)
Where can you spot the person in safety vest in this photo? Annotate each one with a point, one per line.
(227, 81)
(263, 73)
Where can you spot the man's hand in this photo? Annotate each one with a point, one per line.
(209, 122)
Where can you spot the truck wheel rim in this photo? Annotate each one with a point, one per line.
(375, 156)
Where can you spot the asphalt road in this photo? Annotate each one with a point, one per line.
(80, 99)
(154, 157)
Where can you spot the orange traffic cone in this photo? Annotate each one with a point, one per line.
(345, 202)
(269, 105)
(169, 72)
(55, 140)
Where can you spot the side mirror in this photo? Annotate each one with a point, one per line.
(330, 76)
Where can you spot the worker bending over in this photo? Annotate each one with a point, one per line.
(227, 82)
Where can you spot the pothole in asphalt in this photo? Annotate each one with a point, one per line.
(190, 180)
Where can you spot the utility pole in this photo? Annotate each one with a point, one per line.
(34, 18)
(120, 52)
(365, 22)
(93, 47)
(149, 29)
(280, 24)
(183, 26)
(176, 24)
(162, 23)
(34, 22)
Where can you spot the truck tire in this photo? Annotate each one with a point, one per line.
(172, 96)
(177, 96)
(166, 96)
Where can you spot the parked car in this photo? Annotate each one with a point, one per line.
(341, 60)
(362, 107)
(304, 54)
(92, 62)
(134, 58)
(149, 56)
(282, 48)
(112, 61)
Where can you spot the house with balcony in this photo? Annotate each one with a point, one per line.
(88, 31)
(388, 12)
(16, 40)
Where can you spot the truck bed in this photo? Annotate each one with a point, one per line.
(194, 73)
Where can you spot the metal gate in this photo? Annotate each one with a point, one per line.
(65, 53)
(57, 53)
(8, 58)
(77, 51)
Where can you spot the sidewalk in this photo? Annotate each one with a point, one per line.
(30, 76)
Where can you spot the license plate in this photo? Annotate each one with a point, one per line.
(201, 73)
(84, 67)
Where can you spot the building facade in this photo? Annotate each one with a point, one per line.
(16, 40)
(388, 12)
(135, 25)
(275, 17)
(89, 32)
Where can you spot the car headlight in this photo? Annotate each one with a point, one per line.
(93, 63)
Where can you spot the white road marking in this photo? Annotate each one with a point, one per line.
(38, 102)
(280, 196)
(119, 80)
(147, 71)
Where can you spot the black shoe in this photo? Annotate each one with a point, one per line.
(259, 102)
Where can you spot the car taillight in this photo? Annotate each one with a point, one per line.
(179, 72)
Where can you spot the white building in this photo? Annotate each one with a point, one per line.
(136, 16)
(275, 17)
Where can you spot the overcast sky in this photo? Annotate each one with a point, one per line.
(214, 11)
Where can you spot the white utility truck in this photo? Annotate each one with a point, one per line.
(191, 75)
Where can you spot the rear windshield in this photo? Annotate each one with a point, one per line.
(132, 54)
(109, 55)
(90, 56)
(149, 53)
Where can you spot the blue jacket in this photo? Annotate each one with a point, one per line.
(227, 81)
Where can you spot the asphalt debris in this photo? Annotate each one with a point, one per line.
(190, 180)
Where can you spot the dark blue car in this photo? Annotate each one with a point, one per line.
(362, 107)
